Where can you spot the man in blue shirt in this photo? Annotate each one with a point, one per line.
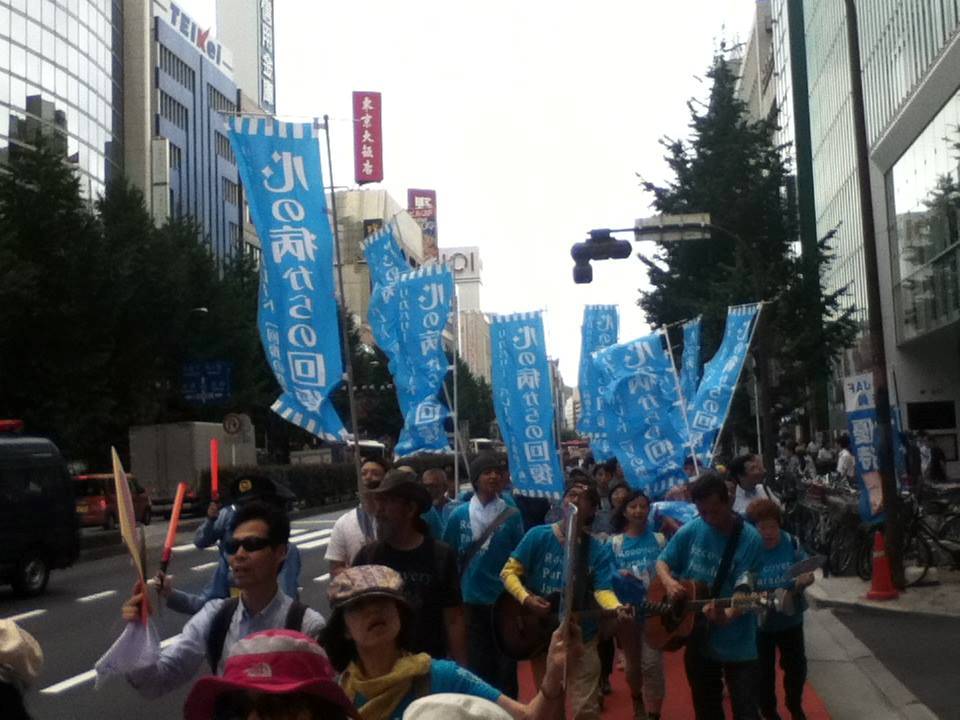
(726, 646)
(257, 549)
(483, 533)
(216, 526)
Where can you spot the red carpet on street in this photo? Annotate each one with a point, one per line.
(618, 706)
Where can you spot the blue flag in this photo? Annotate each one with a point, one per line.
(720, 376)
(425, 298)
(639, 384)
(690, 364)
(523, 400)
(600, 329)
(279, 164)
(386, 263)
(865, 443)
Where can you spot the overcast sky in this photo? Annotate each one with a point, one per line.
(531, 121)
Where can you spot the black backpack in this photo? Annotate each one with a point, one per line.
(221, 624)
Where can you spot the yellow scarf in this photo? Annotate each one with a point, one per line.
(384, 693)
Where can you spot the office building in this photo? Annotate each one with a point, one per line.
(910, 59)
(61, 77)
(246, 27)
(181, 88)
(474, 329)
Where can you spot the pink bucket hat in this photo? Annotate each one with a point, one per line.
(275, 662)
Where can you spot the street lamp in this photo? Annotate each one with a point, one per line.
(601, 245)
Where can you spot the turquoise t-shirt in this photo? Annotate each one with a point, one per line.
(445, 677)
(694, 553)
(541, 555)
(774, 565)
(481, 584)
(434, 521)
(638, 555)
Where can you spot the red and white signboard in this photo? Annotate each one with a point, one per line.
(422, 206)
(367, 138)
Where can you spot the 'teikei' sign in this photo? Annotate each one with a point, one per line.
(189, 29)
(367, 138)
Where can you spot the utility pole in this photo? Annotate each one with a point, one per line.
(891, 498)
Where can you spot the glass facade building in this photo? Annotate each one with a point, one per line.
(61, 76)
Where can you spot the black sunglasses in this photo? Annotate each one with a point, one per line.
(251, 544)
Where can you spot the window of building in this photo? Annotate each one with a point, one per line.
(176, 68)
(176, 157)
(220, 102)
(223, 148)
(231, 194)
(173, 111)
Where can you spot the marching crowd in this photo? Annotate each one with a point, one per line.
(430, 595)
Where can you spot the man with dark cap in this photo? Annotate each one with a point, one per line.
(483, 533)
(217, 525)
(427, 565)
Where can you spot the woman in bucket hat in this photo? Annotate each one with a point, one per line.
(271, 675)
(368, 640)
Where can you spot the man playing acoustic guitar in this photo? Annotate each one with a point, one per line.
(537, 563)
(718, 549)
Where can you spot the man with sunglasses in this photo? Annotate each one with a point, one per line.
(256, 548)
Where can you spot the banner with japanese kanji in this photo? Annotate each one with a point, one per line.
(639, 385)
(864, 441)
(523, 400)
(279, 165)
(386, 263)
(425, 301)
(600, 329)
(367, 137)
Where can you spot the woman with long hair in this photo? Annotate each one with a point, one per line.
(368, 641)
(635, 550)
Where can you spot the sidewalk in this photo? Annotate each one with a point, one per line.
(939, 594)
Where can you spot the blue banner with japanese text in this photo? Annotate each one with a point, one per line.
(523, 400)
(639, 384)
(386, 263)
(279, 165)
(721, 374)
(690, 362)
(424, 302)
(600, 329)
(864, 442)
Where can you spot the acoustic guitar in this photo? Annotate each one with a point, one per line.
(670, 629)
(521, 634)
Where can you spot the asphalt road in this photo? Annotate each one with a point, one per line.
(78, 619)
(922, 652)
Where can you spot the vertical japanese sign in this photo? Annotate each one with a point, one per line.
(721, 374)
(386, 263)
(523, 400)
(690, 362)
(422, 207)
(279, 164)
(425, 298)
(367, 138)
(637, 380)
(864, 443)
(600, 329)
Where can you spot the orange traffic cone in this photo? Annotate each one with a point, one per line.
(881, 582)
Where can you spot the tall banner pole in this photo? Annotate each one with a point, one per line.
(753, 329)
(683, 401)
(456, 396)
(344, 338)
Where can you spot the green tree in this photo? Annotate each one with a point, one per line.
(474, 397)
(730, 168)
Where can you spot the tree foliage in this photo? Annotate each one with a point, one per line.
(731, 168)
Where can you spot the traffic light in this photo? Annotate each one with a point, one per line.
(601, 245)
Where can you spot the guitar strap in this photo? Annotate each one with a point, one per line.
(727, 560)
(475, 546)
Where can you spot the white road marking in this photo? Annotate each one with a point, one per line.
(205, 566)
(322, 578)
(300, 540)
(24, 616)
(314, 544)
(87, 676)
(97, 596)
(312, 522)
(298, 531)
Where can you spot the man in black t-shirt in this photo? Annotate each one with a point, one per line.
(431, 582)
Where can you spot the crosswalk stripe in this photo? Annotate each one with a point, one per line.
(96, 596)
(322, 578)
(314, 544)
(25, 615)
(205, 566)
(307, 537)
